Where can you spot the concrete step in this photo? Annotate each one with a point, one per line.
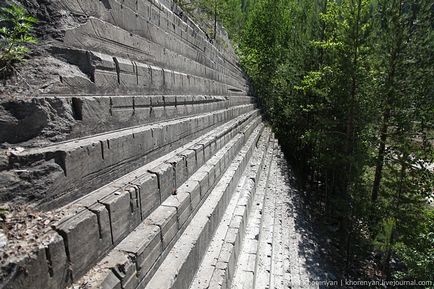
(96, 160)
(148, 245)
(179, 267)
(91, 226)
(218, 266)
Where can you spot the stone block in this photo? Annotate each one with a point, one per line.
(235, 236)
(199, 155)
(83, 160)
(209, 168)
(218, 166)
(193, 189)
(95, 109)
(143, 75)
(59, 271)
(143, 142)
(157, 79)
(180, 166)
(219, 280)
(149, 193)
(124, 210)
(158, 136)
(84, 245)
(119, 148)
(172, 112)
(181, 201)
(201, 177)
(165, 218)
(145, 244)
(158, 112)
(46, 267)
(104, 224)
(126, 272)
(116, 270)
(142, 101)
(166, 180)
(190, 158)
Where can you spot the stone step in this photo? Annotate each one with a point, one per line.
(253, 269)
(153, 21)
(92, 225)
(96, 114)
(98, 35)
(277, 255)
(244, 275)
(172, 23)
(120, 172)
(187, 33)
(179, 267)
(108, 75)
(218, 266)
(265, 242)
(173, 8)
(97, 160)
(148, 245)
(272, 256)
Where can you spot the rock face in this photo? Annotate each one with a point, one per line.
(128, 152)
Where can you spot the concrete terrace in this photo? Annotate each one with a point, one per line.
(167, 176)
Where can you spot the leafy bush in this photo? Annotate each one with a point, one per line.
(16, 27)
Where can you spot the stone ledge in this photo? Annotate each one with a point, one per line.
(178, 268)
(108, 75)
(218, 267)
(97, 160)
(167, 216)
(97, 35)
(155, 22)
(106, 221)
(97, 114)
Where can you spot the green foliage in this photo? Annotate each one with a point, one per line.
(208, 12)
(418, 255)
(383, 239)
(347, 86)
(15, 36)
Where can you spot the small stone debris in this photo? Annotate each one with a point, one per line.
(22, 230)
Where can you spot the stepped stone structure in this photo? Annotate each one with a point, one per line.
(143, 164)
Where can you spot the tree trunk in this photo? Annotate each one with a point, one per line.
(386, 115)
(380, 157)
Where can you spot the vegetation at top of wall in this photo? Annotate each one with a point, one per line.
(348, 87)
(211, 12)
(16, 27)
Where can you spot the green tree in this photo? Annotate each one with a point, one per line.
(347, 86)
